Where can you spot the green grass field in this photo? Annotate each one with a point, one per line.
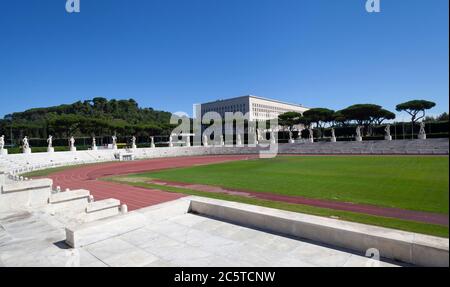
(415, 183)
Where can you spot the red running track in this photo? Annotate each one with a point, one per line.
(87, 177)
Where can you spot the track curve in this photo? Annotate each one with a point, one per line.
(88, 177)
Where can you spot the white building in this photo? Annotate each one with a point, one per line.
(257, 107)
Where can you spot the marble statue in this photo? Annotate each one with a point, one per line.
(238, 140)
(222, 140)
(205, 140)
(114, 141)
(291, 137)
(333, 135)
(170, 141)
(273, 140)
(358, 131)
(387, 130)
(311, 134)
(358, 134)
(188, 140)
(26, 145)
(2, 142)
(3, 151)
(50, 144)
(50, 141)
(133, 142)
(72, 144)
(422, 134)
(94, 144)
(152, 140)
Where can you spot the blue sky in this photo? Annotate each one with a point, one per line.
(169, 54)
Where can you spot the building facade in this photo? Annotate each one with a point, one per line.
(258, 109)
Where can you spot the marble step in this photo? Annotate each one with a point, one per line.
(71, 201)
(102, 209)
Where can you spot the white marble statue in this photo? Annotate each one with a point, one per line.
(50, 141)
(422, 134)
(333, 135)
(72, 144)
(273, 140)
(50, 144)
(26, 144)
(114, 141)
(291, 137)
(94, 144)
(170, 141)
(222, 140)
(152, 142)
(3, 151)
(238, 140)
(387, 130)
(205, 140)
(2, 142)
(358, 133)
(133, 142)
(188, 140)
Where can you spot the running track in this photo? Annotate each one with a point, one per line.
(87, 177)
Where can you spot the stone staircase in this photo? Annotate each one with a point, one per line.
(71, 207)
(399, 147)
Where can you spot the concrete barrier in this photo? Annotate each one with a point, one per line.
(25, 194)
(91, 232)
(417, 249)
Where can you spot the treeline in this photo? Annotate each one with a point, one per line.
(96, 117)
(370, 116)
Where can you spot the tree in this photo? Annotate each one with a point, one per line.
(289, 120)
(319, 116)
(363, 114)
(416, 109)
(339, 118)
(382, 115)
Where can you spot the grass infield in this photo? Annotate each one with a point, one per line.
(415, 183)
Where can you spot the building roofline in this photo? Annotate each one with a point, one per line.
(255, 97)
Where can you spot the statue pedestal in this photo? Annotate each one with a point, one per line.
(422, 137)
(72, 148)
(27, 151)
(333, 139)
(388, 138)
(358, 139)
(3, 151)
(50, 149)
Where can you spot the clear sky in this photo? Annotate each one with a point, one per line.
(170, 54)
